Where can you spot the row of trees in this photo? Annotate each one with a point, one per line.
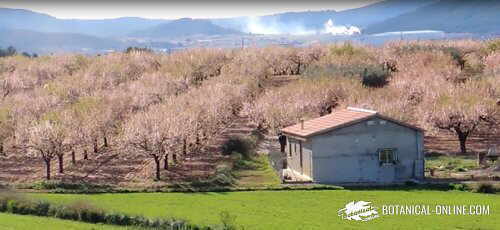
(63, 105)
(11, 51)
(427, 85)
(165, 106)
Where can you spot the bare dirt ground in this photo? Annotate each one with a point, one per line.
(447, 144)
(112, 168)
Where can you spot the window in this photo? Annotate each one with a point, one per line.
(289, 148)
(387, 156)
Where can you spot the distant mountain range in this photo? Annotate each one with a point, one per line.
(37, 32)
(312, 20)
(29, 20)
(42, 43)
(184, 27)
(452, 16)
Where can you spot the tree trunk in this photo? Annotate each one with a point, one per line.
(95, 146)
(61, 163)
(105, 141)
(184, 146)
(157, 163)
(174, 158)
(47, 165)
(197, 138)
(165, 162)
(85, 154)
(1, 149)
(73, 157)
(462, 137)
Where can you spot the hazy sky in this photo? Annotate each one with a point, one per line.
(94, 9)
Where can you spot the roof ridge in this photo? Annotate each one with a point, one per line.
(361, 110)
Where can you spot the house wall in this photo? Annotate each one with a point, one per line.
(293, 156)
(350, 154)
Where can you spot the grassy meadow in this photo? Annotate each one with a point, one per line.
(295, 209)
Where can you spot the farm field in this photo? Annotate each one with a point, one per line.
(18, 222)
(296, 209)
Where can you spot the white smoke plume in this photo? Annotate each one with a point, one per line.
(331, 28)
(256, 25)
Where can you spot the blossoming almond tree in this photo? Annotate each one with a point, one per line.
(151, 133)
(459, 109)
(47, 140)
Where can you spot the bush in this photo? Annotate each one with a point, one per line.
(370, 75)
(458, 187)
(347, 50)
(41, 208)
(485, 188)
(86, 212)
(244, 146)
(376, 77)
(494, 45)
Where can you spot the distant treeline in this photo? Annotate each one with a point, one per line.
(11, 51)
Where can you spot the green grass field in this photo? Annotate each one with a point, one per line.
(18, 222)
(296, 209)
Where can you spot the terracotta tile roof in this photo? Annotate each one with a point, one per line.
(335, 120)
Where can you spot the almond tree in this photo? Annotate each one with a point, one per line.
(459, 109)
(47, 140)
(151, 134)
(6, 127)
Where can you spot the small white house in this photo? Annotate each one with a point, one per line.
(354, 146)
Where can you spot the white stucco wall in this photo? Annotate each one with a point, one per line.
(350, 154)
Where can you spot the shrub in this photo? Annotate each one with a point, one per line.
(41, 208)
(370, 75)
(494, 45)
(458, 187)
(376, 77)
(244, 146)
(347, 50)
(85, 212)
(485, 188)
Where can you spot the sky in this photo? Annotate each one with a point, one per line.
(173, 9)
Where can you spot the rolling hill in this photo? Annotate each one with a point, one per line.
(452, 16)
(20, 19)
(32, 41)
(184, 27)
(314, 20)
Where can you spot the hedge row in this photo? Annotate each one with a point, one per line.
(85, 212)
